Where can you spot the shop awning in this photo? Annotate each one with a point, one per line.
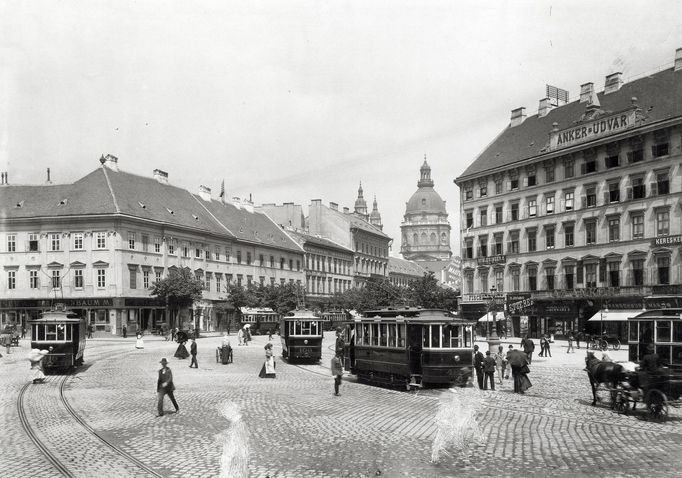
(614, 315)
(489, 317)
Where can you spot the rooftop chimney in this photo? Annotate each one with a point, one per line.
(545, 107)
(613, 82)
(334, 206)
(161, 176)
(205, 193)
(2, 178)
(110, 161)
(48, 176)
(586, 91)
(316, 202)
(518, 116)
(678, 59)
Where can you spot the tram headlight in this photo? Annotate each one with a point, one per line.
(305, 341)
(457, 358)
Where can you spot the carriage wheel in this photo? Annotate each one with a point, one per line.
(657, 404)
(621, 402)
(603, 345)
(616, 345)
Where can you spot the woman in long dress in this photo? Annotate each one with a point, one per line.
(36, 358)
(181, 351)
(268, 369)
(139, 343)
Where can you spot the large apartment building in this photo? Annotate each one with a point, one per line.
(99, 244)
(574, 212)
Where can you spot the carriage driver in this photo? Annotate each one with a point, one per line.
(649, 366)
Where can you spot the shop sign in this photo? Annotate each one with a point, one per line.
(490, 260)
(474, 311)
(592, 130)
(144, 302)
(591, 292)
(633, 304)
(47, 303)
(662, 302)
(666, 240)
(557, 309)
(524, 305)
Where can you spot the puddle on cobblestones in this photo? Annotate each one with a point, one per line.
(234, 461)
(457, 428)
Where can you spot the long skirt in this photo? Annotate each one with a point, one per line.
(181, 352)
(139, 343)
(268, 369)
(524, 382)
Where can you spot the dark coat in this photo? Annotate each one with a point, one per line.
(478, 360)
(165, 377)
(193, 348)
(489, 364)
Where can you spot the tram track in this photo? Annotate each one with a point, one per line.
(53, 457)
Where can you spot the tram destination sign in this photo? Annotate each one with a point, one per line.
(590, 130)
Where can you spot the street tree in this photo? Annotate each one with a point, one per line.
(179, 289)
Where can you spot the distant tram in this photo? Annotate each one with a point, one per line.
(410, 347)
(301, 335)
(62, 333)
(660, 327)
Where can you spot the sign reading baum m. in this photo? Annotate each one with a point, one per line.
(591, 130)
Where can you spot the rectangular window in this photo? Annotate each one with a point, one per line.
(56, 279)
(197, 252)
(614, 229)
(549, 174)
(549, 277)
(101, 240)
(590, 166)
(208, 282)
(33, 281)
(218, 280)
(101, 278)
(532, 244)
(78, 278)
(590, 232)
(216, 252)
(549, 204)
(498, 186)
(248, 258)
(612, 161)
(568, 235)
(185, 250)
(145, 279)
(637, 226)
(55, 242)
(469, 219)
(171, 247)
(590, 275)
(11, 279)
(469, 249)
(11, 243)
(516, 279)
(469, 278)
(513, 243)
(569, 277)
(33, 244)
(514, 184)
(497, 245)
(272, 261)
(569, 170)
(662, 183)
(483, 214)
(145, 243)
(468, 195)
(157, 276)
(658, 150)
(261, 260)
(298, 265)
(613, 274)
(291, 265)
(77, 241)
(662, 223)
(483, 191)
(532, 278)
(549, 237)
(498, 214)
(484, 279)
(532, 179)
(239, 257)
(638, 188)
(663, 269)
(636, 156)
(499, 280)
(614, 192)
(532, 208)
(133, 278)
(131, 240)
(483, 247)
(637, 271)
(157, 244)
(591, 196)
(568, 201)
(515, 212)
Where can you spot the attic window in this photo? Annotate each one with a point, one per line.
(142, 205)
(63, 201)
(170, 211)
(20, 204)
(196, 218)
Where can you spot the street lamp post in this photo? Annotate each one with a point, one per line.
(493, 339)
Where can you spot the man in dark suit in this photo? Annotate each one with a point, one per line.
(478, 366)
(165, 386)
(193, 353)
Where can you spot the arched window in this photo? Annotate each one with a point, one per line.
(433, 238)
(415, 239)
(423, 238)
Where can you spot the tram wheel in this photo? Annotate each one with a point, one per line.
(616, 345)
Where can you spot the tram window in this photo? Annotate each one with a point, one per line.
(375, 334)
(384, 335)
(391, 334)
(676, 358)
(454, 336)
(632, 335)
(401, 335)
(677, 331)
(314, 327)
(425, 336)
(306, 327)
(646, 332)
(435, 336)
(61, 332)
(663, 352)
(663, 332)
(50, 332)
(468, 342)
(365, 334)
(297, 328)
(38, 332)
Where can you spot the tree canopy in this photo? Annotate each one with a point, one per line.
(179, 289)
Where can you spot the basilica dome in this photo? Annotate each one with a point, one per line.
(425, 199)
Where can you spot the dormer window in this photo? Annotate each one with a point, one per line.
(196, 218)
(63, 202)
(142, 205)
(20, 204)
(170, 211)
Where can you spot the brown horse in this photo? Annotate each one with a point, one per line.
(598, 371)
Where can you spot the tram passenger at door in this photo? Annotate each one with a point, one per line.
(649, 366)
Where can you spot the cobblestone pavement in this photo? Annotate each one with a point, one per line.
(295, 426)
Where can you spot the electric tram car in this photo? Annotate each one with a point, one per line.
(62, 333)
(410, 347)
(301, 335)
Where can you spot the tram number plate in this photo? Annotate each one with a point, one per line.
(306, 351)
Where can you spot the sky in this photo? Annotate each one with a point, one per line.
(300, 100)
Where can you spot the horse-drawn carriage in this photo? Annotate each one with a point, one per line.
(627, 387)
(603, 342)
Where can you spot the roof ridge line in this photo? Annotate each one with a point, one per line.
(111, 189)
(234, 236)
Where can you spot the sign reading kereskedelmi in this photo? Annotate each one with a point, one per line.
(591, 130)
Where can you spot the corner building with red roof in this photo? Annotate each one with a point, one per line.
(100, 243)
(574, 213)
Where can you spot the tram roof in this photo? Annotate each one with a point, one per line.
(412, 313)
(664, 314)
(301, 314)
(58, 316)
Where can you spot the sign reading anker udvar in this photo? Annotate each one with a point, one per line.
(590, 130)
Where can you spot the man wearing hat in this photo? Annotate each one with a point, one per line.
(164, 386)
(478, 366)
(488, 371)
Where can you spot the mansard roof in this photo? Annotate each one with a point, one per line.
(658, 95)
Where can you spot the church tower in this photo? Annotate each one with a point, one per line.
(425, 228)
(361, 205)
(374, 216)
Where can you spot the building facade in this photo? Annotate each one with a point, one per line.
(402, 272)
(574, 213)
(99, 244)
(425, 228)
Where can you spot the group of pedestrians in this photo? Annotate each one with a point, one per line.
(244, 335)
(500, 362)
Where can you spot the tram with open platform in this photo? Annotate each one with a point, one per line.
(410, 347)
(62, 333)
(301, 335)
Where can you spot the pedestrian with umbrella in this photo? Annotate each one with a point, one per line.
(518, 361)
